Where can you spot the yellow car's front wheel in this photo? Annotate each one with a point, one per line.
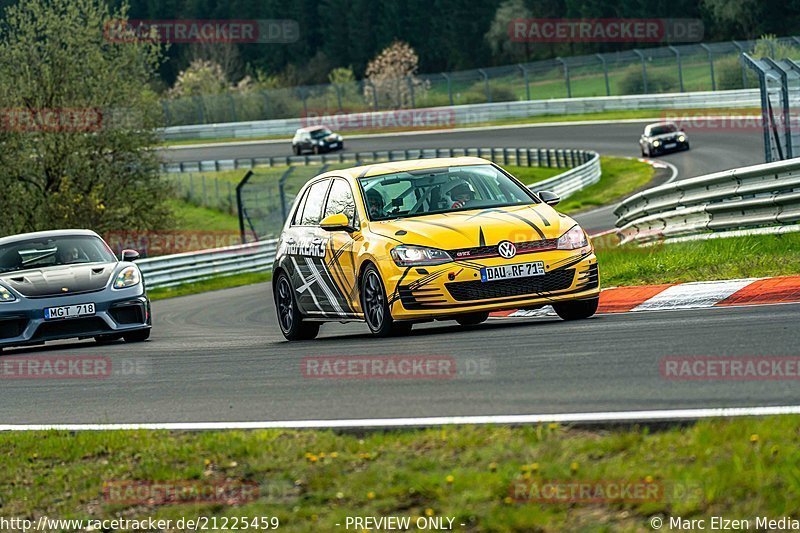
(376, 308)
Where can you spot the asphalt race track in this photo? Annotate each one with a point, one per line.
(712, 150)
(219, 356)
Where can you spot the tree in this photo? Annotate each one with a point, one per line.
(498, 38)
(391, 75)
(200, 78)
(78, 120)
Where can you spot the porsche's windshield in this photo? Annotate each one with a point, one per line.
(53, 251)
(440, 190)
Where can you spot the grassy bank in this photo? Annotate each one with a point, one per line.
(313, 480)
(729, 258)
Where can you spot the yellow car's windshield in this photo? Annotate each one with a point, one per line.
(440, 190)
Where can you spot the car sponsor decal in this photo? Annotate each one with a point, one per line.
(307, 247)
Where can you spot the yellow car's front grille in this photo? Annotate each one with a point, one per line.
(464, 291)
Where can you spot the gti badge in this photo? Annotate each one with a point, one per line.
(506, 249)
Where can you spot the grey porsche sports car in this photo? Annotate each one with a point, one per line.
(68, 284)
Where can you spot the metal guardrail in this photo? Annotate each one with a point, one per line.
(759, 195)
(171, 270)
(531, 157)
(571, 181)
(471, 114)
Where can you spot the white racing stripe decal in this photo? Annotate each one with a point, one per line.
(307, 286)
(324, 286)
(567, 418)
(693, 295)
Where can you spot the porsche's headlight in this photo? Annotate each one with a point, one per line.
(405, 255)
(573, 239)
(656, 143)
(681, 138)
(127, 277)
(6, 296)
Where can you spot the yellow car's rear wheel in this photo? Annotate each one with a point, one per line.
(376, 308)
(290, 319)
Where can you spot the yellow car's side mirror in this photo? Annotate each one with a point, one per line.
(337, 222)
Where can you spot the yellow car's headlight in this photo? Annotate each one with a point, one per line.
(573, 239)
(407, 255)
(127, 277)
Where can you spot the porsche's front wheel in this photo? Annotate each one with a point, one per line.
(293, 327)
(376, 306)
(577, 309)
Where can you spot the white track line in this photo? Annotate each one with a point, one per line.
(574, 418)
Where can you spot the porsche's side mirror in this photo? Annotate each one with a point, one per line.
(129, 255)
(550, 198)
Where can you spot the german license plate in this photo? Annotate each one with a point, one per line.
(670, 145)
(69, 311)
(520, 270)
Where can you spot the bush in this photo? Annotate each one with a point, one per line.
(503, 94)
(728, 72)
(657, 82)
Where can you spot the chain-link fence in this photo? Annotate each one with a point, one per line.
(205, 190)
(779, 83)
(695, 67)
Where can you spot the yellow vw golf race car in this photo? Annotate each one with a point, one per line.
(399, 243)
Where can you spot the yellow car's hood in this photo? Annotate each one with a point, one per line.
(478, 227)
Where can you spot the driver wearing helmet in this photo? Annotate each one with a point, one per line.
(461, 194)
(68, 255)
(375, 204)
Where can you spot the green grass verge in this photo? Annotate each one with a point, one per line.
(312, 480)
(621, 176)
(711, 259)
(543, 119)
(211, 284)
(191, 217)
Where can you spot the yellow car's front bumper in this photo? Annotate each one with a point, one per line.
(456, 288)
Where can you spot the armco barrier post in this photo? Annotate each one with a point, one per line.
(605, 73)
(239, 204)
(566, 76)
(282, 192)
(644, 69)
